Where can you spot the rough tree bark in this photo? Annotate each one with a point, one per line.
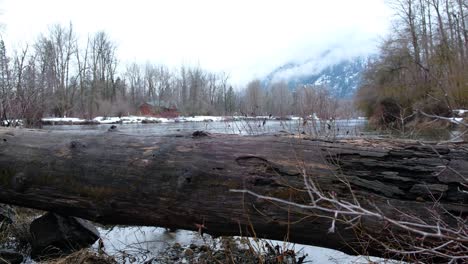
(183, 181)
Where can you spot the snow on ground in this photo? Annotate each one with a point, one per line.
(457, 120)
(155, 240)
(107, 120)
(149, 119)
(460, 112)
(12, 122)
(133, 119)
(200, 119)
(64, 119)
(329, 256)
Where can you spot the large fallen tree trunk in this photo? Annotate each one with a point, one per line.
(184, 181)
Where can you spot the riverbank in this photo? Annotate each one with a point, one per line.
(150, 119)
(145, 244)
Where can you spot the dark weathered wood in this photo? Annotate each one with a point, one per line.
(181, 181)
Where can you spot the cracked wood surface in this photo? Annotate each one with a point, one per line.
(183, 181)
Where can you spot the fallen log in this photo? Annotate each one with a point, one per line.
(184, 181)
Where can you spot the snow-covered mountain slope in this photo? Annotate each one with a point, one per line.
(341, 77)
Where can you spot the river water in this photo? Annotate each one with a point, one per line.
(338, 128)
(313, 128)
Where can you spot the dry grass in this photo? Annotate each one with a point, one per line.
(17, 233)
(19, 230)
(84, 256)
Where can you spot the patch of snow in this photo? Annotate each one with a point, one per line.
(164, 120)
(107, 120)
(321, 80)
(328, 256)
(313, 117)
(202, 118)
(63, 119)
(12, 122)
(460, 112)
(153, 240)
(131, 119)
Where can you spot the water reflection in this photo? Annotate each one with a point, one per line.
(338, 128)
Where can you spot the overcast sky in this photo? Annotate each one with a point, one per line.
(247, 39)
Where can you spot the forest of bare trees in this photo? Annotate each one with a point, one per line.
(422, 66)
(58, 75)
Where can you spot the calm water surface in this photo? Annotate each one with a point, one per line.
(339, 128)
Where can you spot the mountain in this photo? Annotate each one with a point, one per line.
(341, 77)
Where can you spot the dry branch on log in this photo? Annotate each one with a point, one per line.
(182, 181)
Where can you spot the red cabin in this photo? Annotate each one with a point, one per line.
(159, 108)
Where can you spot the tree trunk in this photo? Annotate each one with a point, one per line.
(184, 181)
